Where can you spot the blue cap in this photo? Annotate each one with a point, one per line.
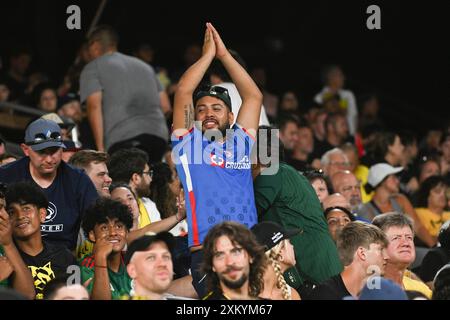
(42, 134)
(378, 288)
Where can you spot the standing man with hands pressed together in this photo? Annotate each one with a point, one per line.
(213, 163)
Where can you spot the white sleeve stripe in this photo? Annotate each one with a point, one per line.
(184, 163)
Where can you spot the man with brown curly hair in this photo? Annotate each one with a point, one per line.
(234, 263)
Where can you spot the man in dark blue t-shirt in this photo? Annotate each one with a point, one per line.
(69, 190)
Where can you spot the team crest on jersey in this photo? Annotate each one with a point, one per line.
(52, 211)
(217, 161)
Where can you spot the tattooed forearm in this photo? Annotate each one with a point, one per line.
(188, 116)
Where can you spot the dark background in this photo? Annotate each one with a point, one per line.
(406, 62)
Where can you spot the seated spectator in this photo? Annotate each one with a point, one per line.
(432, 204)
(60, 289)
(401, 253)
(289, 104)
(47, 99)
(361, 248)
(281, 256)
(429, 165)
(150, 266)
(333, 161)
(337, 218)
(4, 91)
(319, 183)
(27, 207)
(288, 133)
(437, 257)
(336, 200)
(94, 164)
(336, 134)
(442, 284)
(68, 190)
(303, 148)
(165, 191)
(345, 183)
(360, 171)
(234, 263)
(13, 271)
(106, 223)
(131, 166)
(70, 107)
(383, 179)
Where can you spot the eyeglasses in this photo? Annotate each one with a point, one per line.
(40, 138)
(149, 173)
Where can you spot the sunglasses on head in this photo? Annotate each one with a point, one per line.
(40, 138)
(217, 89)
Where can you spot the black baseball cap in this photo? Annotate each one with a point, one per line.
(269, 233)
(213, 91)
(144, 242)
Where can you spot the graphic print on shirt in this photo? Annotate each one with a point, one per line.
(52, 212)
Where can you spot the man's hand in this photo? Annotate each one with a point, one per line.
(5, 229)
(221, 50)
(209, 46)
(102, 249)
(5, 268)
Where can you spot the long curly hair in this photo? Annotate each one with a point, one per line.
(160, 191)
(241, 235)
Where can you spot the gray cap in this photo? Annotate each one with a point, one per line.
(42, 134)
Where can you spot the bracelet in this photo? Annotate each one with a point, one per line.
(98, 266)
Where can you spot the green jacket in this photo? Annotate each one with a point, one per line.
(289, 199)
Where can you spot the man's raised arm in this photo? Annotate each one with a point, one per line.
(250, 110)
(183, 112)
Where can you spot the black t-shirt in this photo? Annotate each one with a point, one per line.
(50, 263)
(434, 260)
(69, 195)
(331, 289)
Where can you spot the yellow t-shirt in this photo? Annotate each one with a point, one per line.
(414, 285)
(362, 173)
(432, 221)
(144, 217)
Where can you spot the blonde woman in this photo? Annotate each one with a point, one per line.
(281, 257)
